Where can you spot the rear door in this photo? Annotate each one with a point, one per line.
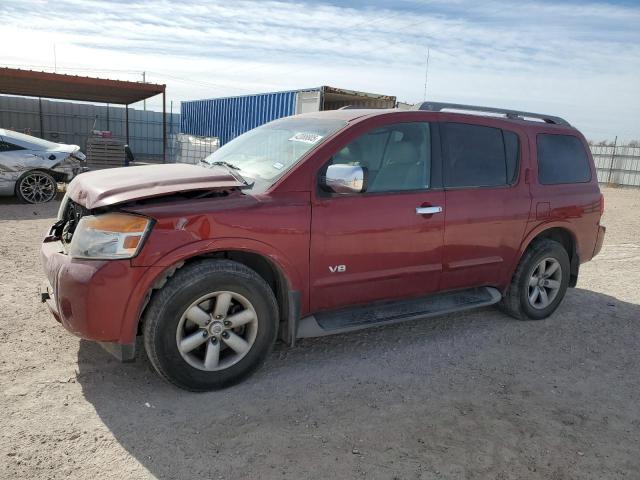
(375, 245)
(487, 201)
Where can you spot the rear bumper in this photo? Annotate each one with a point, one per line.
(599, 239)
(94, 299)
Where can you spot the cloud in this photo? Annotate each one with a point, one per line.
(581, 60)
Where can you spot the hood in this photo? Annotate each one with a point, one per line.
(118, 185)
(62, 147)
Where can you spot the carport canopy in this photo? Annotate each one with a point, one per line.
(30, 83)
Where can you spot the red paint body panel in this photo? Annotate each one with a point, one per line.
(91, 297)
(485, 225)
(99, 188)
(390, 251)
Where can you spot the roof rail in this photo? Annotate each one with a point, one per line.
(439, 106)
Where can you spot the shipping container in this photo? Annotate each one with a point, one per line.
(226, 118)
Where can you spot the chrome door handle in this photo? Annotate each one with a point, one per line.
(428, 210)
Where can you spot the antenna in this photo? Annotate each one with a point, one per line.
(55, 59)
(426, 75)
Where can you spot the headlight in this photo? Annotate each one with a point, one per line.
(79, 155)
(109, 236)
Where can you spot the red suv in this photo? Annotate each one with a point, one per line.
(323, 223)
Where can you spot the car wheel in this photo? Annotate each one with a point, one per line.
(539, 283)
(36, 186)
(211, 325)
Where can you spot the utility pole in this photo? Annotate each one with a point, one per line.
(55, 59)
(426, 75)
(144, 80)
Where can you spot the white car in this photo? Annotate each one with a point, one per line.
(31, 168)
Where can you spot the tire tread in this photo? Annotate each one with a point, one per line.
(189, 275)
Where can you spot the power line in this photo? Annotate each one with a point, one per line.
(375, 21)
(264, 66)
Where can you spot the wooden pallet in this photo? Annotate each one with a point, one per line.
(104, 153)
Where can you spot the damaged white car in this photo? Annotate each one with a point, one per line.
(31, 168)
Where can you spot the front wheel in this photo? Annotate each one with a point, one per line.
(539, 283)
(211, 325)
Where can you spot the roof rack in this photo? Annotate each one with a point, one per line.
(516, 114)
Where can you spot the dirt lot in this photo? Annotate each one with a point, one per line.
(474, 395)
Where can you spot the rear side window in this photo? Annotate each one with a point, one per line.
(478, 156)
(562, 159)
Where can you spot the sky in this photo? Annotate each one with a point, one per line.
(576, 59)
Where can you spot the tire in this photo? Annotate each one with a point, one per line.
(517, 301)
(36, 186)
(171, 319)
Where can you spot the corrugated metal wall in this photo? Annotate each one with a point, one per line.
(226, 118)
(70, 122)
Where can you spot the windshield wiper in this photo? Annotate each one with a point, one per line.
(226, 164)
(230, 167)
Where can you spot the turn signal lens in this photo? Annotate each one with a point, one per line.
(116, 222)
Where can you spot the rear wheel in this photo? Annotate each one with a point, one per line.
(539, 283)
(211, 325)
(36, 186)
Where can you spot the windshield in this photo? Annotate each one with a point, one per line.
(30, 142)
(268, 152)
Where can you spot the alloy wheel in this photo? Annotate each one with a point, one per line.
(544, 283)
(217, 331)
(37, 188)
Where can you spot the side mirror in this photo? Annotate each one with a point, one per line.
(345, 179)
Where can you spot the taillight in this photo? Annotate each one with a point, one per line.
(601, 204)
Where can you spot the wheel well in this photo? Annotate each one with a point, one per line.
(269, 272)
(565, 238)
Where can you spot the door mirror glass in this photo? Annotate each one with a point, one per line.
(345, 179)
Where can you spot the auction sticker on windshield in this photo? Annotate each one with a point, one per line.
(306, 138)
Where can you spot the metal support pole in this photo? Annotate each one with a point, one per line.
(144, 102)
(126, 122)
(613, 157)
(108, 129)
(41, 118)
(164, 126)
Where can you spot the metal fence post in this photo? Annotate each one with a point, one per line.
(613, 157)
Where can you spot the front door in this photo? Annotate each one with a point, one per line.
(376, 245)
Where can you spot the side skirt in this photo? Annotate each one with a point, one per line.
(384, 313)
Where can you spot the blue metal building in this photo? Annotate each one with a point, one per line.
(226, 118)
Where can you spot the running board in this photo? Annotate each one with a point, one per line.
(385, 313)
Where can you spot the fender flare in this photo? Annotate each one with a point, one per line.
(541, 228)
(165, 266)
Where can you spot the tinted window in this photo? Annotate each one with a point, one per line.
(512, 153)
(478, 156)
(397, 157)
(8, 147)
(562, 159)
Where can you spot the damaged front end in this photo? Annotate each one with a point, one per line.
(18, 166)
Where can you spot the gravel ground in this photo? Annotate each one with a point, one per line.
(465, 396)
